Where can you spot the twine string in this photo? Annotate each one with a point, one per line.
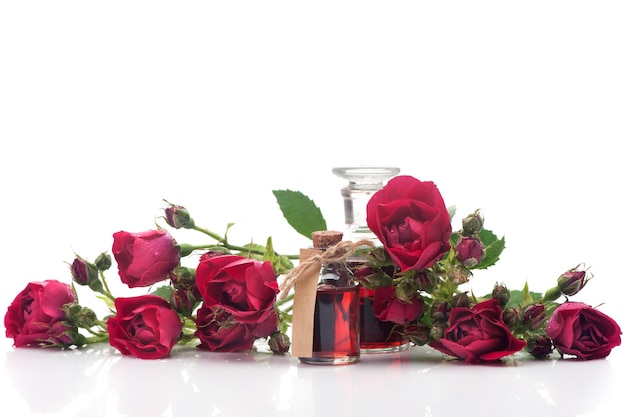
(336, 253)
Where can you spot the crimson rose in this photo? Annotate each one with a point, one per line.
(581, 330)
(387, 307)
(145, 326)
(218, 331)
(410, 219)
(244, 287)
(144, 258)
(36, 316)
(478, 334)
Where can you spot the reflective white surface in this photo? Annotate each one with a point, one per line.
(99, 382)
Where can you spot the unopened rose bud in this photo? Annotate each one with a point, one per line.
(437, 330)
(534, 315)
(539, 346)
(440, 311)
(372, 277)
(81, 316)
(425, 281)
(178, 217)
(183, 301)
(458, 274)
(461, 300)
(183, 278)
(83, 272)
(418, 334)
(472, 224)
(512, 317)
(406, 290)
(279, 343)
(469, 251)
(103, 262)
(572, 281)
(501, 293)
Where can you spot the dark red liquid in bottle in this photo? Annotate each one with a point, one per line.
(336, 322)
(377, 336)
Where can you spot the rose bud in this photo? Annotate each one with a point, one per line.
(501, 293)
(279, 343)
(178, 217)
(440, 311)
(572, 281)
(371, 277)
(81, 316)
(437, 330)
(534, 315)
(184, 302)
(458, 274)
(461, 300)
(83, 272)
(418, 333)
(103, 262)
(472, 224)
(470, 251)
(539, 346)
(425, 281)
(512, 317)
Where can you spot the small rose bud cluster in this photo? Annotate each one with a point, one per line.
(470, 249)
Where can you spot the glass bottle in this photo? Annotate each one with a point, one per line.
(376, 336)
(336, 318)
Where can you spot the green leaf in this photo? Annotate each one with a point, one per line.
(300, 212)
(522, 297)
(165, 291)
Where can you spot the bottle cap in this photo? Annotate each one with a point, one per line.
(326, 238)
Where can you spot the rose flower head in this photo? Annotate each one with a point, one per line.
(36, 317)
(145, 258)
(244, 287)
(145, 326)
(478, 334)
(411, 220)
(583, 331)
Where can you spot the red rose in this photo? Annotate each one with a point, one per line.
(219, 332)
(581, 330)
(36, 316)
(410, 219)
(144, 258)
(246, 288)
(145, 326)
(478, 334)
(387, 307)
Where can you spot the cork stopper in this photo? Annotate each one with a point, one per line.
(326, 238)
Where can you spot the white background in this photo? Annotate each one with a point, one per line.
(107, 108)
(516, 108)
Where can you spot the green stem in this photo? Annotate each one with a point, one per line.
(97, 338)
(106, 291)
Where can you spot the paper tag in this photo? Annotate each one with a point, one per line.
(304, 307)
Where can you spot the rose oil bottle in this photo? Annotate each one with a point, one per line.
(336, 318)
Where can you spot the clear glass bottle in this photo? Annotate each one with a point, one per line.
(376, 336)
(363, 182)
(336, 321)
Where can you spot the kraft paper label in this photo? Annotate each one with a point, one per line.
(304, 306)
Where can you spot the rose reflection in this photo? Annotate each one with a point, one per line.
(50, 380)
(424, 383)
(230, 384)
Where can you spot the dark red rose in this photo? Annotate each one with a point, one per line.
(583, 331)
(218, 330)
(478, 334)
(246, 288)
(145, 326)
(144, 258)
(387, 307)
(36, 316)
(410, 219)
